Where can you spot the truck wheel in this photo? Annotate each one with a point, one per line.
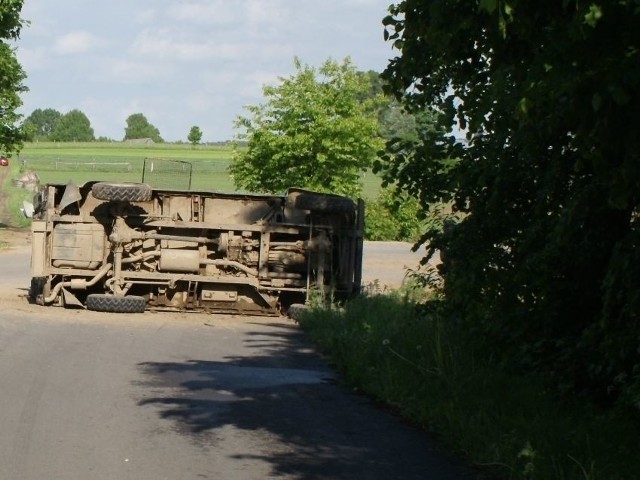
(297, 310)
(101, 302)
(323, 203)
(122, 192)
(37, 288)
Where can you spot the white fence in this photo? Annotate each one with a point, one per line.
(92, 166)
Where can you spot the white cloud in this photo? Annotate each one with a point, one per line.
(77, 42)
(205, 13)
(362, 2)
(251, 87)
(33, 59)
(167, 44)
(266, 13)
(186, 62)
(129, 71)
(223, 12)
(145, 17)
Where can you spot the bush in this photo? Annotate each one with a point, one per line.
(432, 371)
(393, 218)
(544, 265)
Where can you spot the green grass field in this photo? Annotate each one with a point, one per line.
(82, 162)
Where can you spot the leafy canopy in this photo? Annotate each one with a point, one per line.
(393, 216)
(544, 261)
(139, 127)
(195, 135)
(73, 126)
(317, 129)
(41, 123)
(12, 77)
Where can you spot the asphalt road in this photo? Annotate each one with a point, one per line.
(86, 395)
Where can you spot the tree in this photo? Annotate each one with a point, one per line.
(41, 123)
(313, 131)
(393, 119)
(139, 127)
(543, 261)
(73, 126)
(393, 217)
(195, 135)
(11, 80)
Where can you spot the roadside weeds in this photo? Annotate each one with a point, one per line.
(411, 358)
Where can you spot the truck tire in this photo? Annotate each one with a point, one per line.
(101, 302)
(297, 310)
(36, 288)
(122, 192)
(323, 203)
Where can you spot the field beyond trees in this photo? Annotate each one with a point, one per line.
(123, 162)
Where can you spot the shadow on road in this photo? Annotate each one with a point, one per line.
(312, 428)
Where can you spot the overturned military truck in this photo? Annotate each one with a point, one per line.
(127, 247)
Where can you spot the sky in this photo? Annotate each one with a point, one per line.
(184, 62)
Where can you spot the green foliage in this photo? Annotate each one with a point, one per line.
(393, 216)
(313, 131)
(73, 126)
(40, 124)
(543, 264)
(427, 368)
(10, 22)
(12, 78)
(139, 127)
(195, 135)
(394, 120)
(13, 197)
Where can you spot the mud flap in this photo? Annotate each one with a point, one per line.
(70, 299)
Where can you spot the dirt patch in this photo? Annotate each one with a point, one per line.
(386, 265)
(14, 238)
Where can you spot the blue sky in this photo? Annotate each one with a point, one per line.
(184, 62)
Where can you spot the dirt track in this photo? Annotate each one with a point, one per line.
(14, 237)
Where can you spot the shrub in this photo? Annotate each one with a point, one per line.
(393, 218)
(429, 368)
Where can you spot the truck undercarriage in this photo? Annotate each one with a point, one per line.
(126, 247)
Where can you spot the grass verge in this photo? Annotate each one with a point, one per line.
(14, 197)
(417, 362)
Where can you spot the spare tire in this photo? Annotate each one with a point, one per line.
(315, 202)
(101, 302)
(297, 310)
(122, 192)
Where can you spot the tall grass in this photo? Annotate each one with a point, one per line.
(415, 360)
(14, 197)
